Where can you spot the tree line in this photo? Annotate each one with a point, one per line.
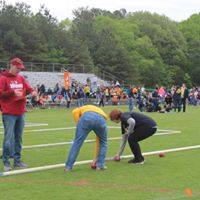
(139, 47)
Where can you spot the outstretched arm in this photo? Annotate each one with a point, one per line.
(123, 144)
(125, 133)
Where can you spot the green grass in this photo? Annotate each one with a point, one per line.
(158, 179)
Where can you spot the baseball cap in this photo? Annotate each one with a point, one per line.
(17, 62)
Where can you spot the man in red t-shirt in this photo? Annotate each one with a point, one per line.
(13, 91)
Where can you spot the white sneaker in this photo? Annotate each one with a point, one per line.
(20, 165)
(67, 170)
(102, 168)
(7, 168)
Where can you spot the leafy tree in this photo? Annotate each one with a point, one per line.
(191, 30)
(165, 36)
(140, 47)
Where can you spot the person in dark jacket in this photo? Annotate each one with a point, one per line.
(135, 127)
(177, 99)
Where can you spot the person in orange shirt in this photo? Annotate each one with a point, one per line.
(118, 93)
(41, 101)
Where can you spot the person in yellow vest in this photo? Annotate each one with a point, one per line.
(107, 94)
(184, 96)
(87, 93)
(89, 118)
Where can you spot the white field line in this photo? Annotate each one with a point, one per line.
(71, 128)
(62, 143)
(167, 133)
(86, 141)
(46, 130)
(47, 167)
(31, 125)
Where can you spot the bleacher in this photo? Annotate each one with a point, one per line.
(49, 79)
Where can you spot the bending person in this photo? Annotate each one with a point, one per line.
(89, 118)
(135, 127)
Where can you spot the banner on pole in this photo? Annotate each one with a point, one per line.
(66, 80)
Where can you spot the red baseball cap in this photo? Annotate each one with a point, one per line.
(17, 62)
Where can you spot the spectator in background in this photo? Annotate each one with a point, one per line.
(161, 94)
(68, 97)
(141, 104)
(98, 91)
(155, 100)
(13, 91)
(56, 89)
(168, 99)
(41, 90)
(118, 93)
(193, 96)
(168, 102)
(184, 96)
(177, 99)
(107, 95)
(80, 97)
(87, 92)
(88, 81)
(149, 105)
(115, 100)
(130, 99)
(102, 96)
(117, 84)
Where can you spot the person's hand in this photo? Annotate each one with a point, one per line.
(34, 93)
(18, 93)
(93, 165)
(116, 158)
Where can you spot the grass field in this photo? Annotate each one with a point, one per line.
(158, 179)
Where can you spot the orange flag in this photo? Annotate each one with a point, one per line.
(66, 80)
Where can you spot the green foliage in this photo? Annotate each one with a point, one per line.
(165, 36)
(132, 46)
(191, 31)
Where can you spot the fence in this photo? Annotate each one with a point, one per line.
(74, 68)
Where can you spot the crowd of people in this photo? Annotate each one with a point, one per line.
(163, 100)
(158, 99)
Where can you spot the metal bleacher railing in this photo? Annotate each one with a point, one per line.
(73, 68)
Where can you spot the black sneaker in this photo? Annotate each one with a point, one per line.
(136, 162)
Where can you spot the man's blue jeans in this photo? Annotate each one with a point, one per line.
(130, 104)
(80, 102)
(13, 130)
(89, 121)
